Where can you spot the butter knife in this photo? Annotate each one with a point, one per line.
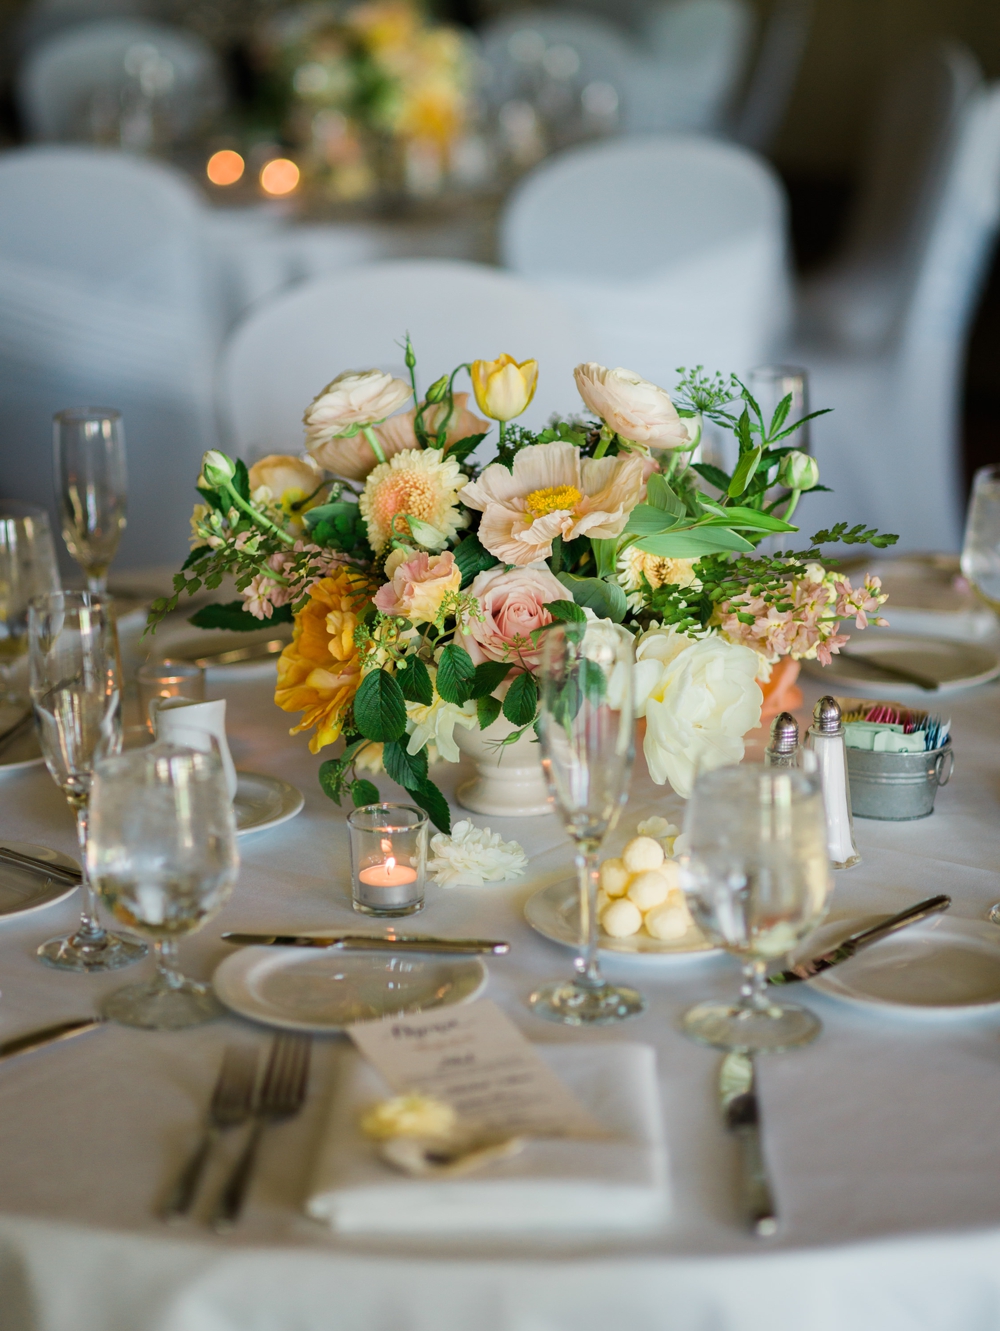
(63, 1030)
(805, 970)
(61, 871)
(741, 1115)
(372, 943)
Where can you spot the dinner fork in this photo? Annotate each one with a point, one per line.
(231, 1105)
(281, 1096)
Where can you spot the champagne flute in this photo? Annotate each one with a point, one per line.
(162, 853)
(981, 547)
(586, 730)
(27, 569)
(75, 689)
(757, 880)
(91, 487)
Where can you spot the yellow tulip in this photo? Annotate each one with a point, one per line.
(503, 388)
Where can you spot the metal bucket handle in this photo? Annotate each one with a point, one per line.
(946, 756)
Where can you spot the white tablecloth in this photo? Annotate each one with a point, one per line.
(882, 1136)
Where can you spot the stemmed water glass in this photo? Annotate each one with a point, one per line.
(757, 879)
(586, 730)
(162, 853)
(91, 487)
(27, 569)
(981, 547)
(75, 691)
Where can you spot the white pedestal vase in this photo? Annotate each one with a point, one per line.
(509, 782)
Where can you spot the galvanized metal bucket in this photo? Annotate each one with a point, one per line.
(897, 786)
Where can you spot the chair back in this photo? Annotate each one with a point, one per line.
(774, 74)
(286, 351)
(693, 57)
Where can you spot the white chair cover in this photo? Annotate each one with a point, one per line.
(677, 258)
(58, 77)
(771, 82)
(284, 354)
(104, 301)
(892, 447)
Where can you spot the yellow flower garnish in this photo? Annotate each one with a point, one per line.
(503, 388)
(556, 499)
(408, 1116)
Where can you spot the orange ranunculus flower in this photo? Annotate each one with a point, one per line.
(319, 671)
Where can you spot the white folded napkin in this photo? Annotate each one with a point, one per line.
(556, 1184)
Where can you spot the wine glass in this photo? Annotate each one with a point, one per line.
(757, 880)
(91, 487)
(162, 853)
(981, 547)
(27, 569)
(76, 693)
(586, 730)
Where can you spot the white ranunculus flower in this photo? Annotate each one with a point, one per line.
(699, 696)
(354, 399)
(474, 856)
(631, 406)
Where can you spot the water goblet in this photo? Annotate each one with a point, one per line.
(91, 487)
(76, 694)
(981, 547)
(162, 854)
(757, 880)
(586, 730)
(27, 569)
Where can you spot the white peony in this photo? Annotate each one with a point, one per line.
(474, 856)
(699, 696)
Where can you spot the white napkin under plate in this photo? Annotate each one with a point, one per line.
(555, 1184)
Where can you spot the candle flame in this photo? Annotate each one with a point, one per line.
(390, 864)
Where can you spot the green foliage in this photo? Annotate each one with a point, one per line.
(859, 535)
(461, 448)
(456, 672)
(241, 480)
(339, 526)
(363, 792)
(521, 702)
(408, 770)
(430, 799)
(489, 675)
(488, 709)
(565, 612)
(379, 707)
(693, 543)
(232, 616)
(660, 495)
(606, 599)
(414, 681)
(745, 470)
(472, 558)
(196, 555)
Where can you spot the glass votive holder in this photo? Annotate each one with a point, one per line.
(388, 859)
(167, 679)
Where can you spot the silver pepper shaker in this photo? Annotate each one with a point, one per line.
(826, 740)
(783, 748)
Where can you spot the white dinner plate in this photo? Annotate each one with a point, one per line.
(264, 801)
(954, 665)
(306, 989)
(23, 890)
(21, 753)
(946, 967)
(212, 647)
(555, 912)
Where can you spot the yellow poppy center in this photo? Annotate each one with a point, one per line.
(555, 499)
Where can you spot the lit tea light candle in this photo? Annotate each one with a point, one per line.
(388, 850)
(389, 874)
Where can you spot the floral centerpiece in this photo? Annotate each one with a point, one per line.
(419, 582)
(374, 95)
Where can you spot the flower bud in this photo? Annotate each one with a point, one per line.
(798, 471)
(503, 388)
(217, 469)
(438, 389)
(426, 535)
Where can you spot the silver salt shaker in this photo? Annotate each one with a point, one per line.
(826, 740)
(783, 748)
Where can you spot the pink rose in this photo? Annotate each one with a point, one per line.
(512, 602)
(631, 406)
(418, 587)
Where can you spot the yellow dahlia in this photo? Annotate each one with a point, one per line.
(319, 671)
(421, 483)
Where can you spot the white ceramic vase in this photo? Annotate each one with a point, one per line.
(509, 782)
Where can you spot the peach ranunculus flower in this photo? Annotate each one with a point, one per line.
(417, 587)
(552, 492)
(354, 400)
(287, 481)
(319, 671)
(503, 388)
(513, 604)
(354, 458)
(631, 406)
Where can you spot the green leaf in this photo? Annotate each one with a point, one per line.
(364, 792)
(521, 702)
(592, 680)
(488, 709)
(660, 495)
(605, 556)
(456, 671)
(490, 675)
(751, 518)
(472, 558)
(461, 448)
(198, 553)
(211, 498)
(414, 680)
(606, 599)
(694, 544)
(408, 770)
(331, 778)
(743, 474)
(565, 612)
(780, 415)
(645, 520)
(714, 475)
(379, 707)
(235, 618)
(328, 512)
(241, 480)
(434, 803)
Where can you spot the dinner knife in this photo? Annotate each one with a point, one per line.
(904, 674)
(741, 1115)
(372, 943)
(63, 1030)
(805, 970)
(22, 861)
(238, 655)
